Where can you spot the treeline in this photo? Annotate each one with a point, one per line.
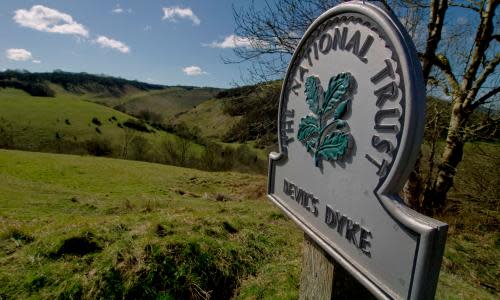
(36, 83)
(188, 150)
(36, 89)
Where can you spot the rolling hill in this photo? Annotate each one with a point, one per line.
(79, 120)
(238, 115)
(167, 102)
(76, 83)
(129, 96)
(88, 227)
(69, 123)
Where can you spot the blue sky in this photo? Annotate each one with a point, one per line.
(167, 42)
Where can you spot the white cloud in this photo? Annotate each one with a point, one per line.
(106, 42)
(46, 19)
(18, 54)
(173, 13)
(231, 41)
(234, 41)
(193, 71)
(119, 10)
(36, 61)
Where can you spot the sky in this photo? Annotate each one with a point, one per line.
(165, 41)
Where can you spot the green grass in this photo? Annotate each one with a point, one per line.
(167, 102)
(36, 121)
(209, 118)
(470, 268)
(160, 231)
(151, 230)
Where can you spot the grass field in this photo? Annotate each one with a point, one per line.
(209, 118)
(167, 102)
(146, 230)
(36, 121)
(73, 226)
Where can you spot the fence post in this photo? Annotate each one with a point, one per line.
(323, 279)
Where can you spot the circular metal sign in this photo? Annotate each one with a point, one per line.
(351, 121)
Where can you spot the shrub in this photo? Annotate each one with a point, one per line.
(136, 125)
(98, 147)
(150, 116)
(6, 135)
(96, 121)
(139, 147)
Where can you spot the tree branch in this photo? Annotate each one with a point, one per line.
(478, 83)
(444, 65)
(482, 100)
(482, 41)
(435, 28)
(462, 5)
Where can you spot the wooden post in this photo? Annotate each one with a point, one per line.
(316, 280)
(324, 279)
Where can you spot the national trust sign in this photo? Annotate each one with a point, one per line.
(351, 121)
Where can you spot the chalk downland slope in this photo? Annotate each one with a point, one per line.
(167, 102)
(88, 227)
(67, 122)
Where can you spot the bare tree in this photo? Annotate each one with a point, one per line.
(184, 147)
(466, 66)
(273, 33)
(459, 61)
(128, 135)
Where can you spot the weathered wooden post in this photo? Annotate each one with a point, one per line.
(351, 121)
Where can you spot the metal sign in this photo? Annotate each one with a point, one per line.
(351, 122)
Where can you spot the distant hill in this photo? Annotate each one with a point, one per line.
(166, 103)
(129, 96)
(241, 114)
(67, 123)
(78, 83)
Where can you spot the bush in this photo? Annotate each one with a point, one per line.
(139, 147)
(6, 135)
(150, 116)
(136, 125)
(217, 158)
(98, 147)
(96, 121)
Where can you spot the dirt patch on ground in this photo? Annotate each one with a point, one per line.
(78, 245)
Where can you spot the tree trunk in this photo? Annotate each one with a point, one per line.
(435, 196)
(412, 190)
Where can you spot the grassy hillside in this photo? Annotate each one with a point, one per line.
(40, 84)
(167, 102)
(86, 227)
(46, 123)
(69, 123)
(243, 114)
(209, 118)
